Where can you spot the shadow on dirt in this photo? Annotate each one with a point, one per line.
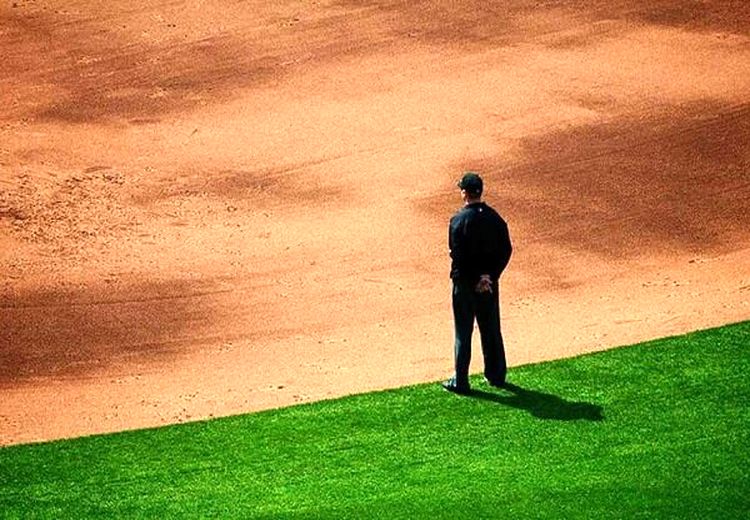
(73, 333)
(446, 22)
(542, 405)
(672, 182)
(732, 16)
(79, 68)
(284, 185)
(477, 22)
(92, 73)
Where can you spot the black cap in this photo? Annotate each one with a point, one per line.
(471, 182)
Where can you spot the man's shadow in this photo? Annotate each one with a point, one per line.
(541, 405)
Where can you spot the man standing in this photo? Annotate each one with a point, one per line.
(480, 249)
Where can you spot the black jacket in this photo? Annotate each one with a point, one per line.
(479, 243)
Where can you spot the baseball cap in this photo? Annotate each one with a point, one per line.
(471, 182)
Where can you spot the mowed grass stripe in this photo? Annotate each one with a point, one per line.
(656, 430)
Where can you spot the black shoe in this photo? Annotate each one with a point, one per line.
(451, 386)
(496, 384)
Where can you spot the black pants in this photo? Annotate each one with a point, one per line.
(485, 307)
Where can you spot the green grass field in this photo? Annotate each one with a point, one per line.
(656, 430)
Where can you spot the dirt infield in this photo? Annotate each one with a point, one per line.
(211, 208)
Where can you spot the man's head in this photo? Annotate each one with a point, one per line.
(471, 186)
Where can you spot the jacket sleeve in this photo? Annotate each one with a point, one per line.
(496, 247)
(506, 247)
(455, 241)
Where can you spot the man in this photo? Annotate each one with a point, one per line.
(480, 249)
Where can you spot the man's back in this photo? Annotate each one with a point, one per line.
(479, 243)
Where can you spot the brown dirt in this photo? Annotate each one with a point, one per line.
(215, 208)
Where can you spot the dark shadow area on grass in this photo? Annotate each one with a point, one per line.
(542, 405)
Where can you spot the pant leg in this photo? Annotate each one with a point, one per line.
(463, 320)
(493, 349)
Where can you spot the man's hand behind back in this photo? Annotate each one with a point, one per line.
(484, 285)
